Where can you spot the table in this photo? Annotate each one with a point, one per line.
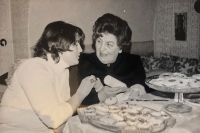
(185, 123)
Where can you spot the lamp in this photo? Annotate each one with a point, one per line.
(197, 6)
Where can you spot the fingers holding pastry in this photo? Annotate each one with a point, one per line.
(114, 90)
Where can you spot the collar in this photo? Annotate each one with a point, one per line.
(59, 67)
(117, 61)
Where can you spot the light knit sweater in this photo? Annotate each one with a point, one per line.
(35, 101)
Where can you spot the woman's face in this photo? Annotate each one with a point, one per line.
(106, 48)
(72, 57)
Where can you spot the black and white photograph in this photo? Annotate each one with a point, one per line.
(99, 66)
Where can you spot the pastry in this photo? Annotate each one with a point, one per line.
(171, 81)
(144, 126)
(111, 101)
(158, 124)
(195, 84)
(196, 76)
(101, 109)
(165, 75)
(126, 117)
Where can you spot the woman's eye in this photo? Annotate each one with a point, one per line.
(109, 44)
(99, 41)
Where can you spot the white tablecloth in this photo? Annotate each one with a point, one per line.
(185, 123)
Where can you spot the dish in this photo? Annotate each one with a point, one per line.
(126, 118)
(194, 102)
(171, 89)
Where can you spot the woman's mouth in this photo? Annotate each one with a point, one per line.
(103, 55)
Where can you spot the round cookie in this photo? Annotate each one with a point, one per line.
(90, 114)
(132, 111)
(123, 114)
(123, 106)
(188, 79)
(132, 123)
(116, 117)
(158, 124)
(156, 113)
(180, 75)
(165, 75)
(146, 111)
(89, 109)
(158, 82)
(101, 110)
(171, 81)
(196, 76)
(181, 84)
(113, 109)
(195, 84)
(111, 101)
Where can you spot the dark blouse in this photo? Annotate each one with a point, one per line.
(127, 68)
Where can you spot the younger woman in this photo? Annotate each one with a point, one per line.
(38, 96)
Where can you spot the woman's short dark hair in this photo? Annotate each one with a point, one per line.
(109, 23)
(57, 37)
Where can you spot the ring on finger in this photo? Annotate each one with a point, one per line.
(92, 80)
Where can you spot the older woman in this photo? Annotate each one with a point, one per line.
(111, 35)
(38, 99)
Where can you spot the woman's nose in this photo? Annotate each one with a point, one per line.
(102, 47)
(79, 48)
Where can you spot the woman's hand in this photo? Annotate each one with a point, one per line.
(113, 91)
(107, 92)
(86, 86)
(83, 90)
(136, 91)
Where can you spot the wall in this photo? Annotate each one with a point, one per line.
(164, 33)
(14, 28)
(6, 52)
(83, 13)
(19, 15)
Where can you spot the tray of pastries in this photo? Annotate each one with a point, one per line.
(174, 82)
(125, 117)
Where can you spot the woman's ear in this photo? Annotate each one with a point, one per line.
(120, 51)
(50, 45)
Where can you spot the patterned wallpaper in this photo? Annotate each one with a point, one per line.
(19, 15)
(164, 33)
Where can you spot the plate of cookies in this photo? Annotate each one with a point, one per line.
(174, 82)
(125, 117)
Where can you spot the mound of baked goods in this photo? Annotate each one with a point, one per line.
(125, 117)
(176, 80)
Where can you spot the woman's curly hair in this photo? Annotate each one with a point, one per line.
(57, 37)
(109, 23)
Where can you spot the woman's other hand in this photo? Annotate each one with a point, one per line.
(108, 92)
(114, 90)
(136, 91)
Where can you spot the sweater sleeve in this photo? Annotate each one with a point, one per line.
(37, 83)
